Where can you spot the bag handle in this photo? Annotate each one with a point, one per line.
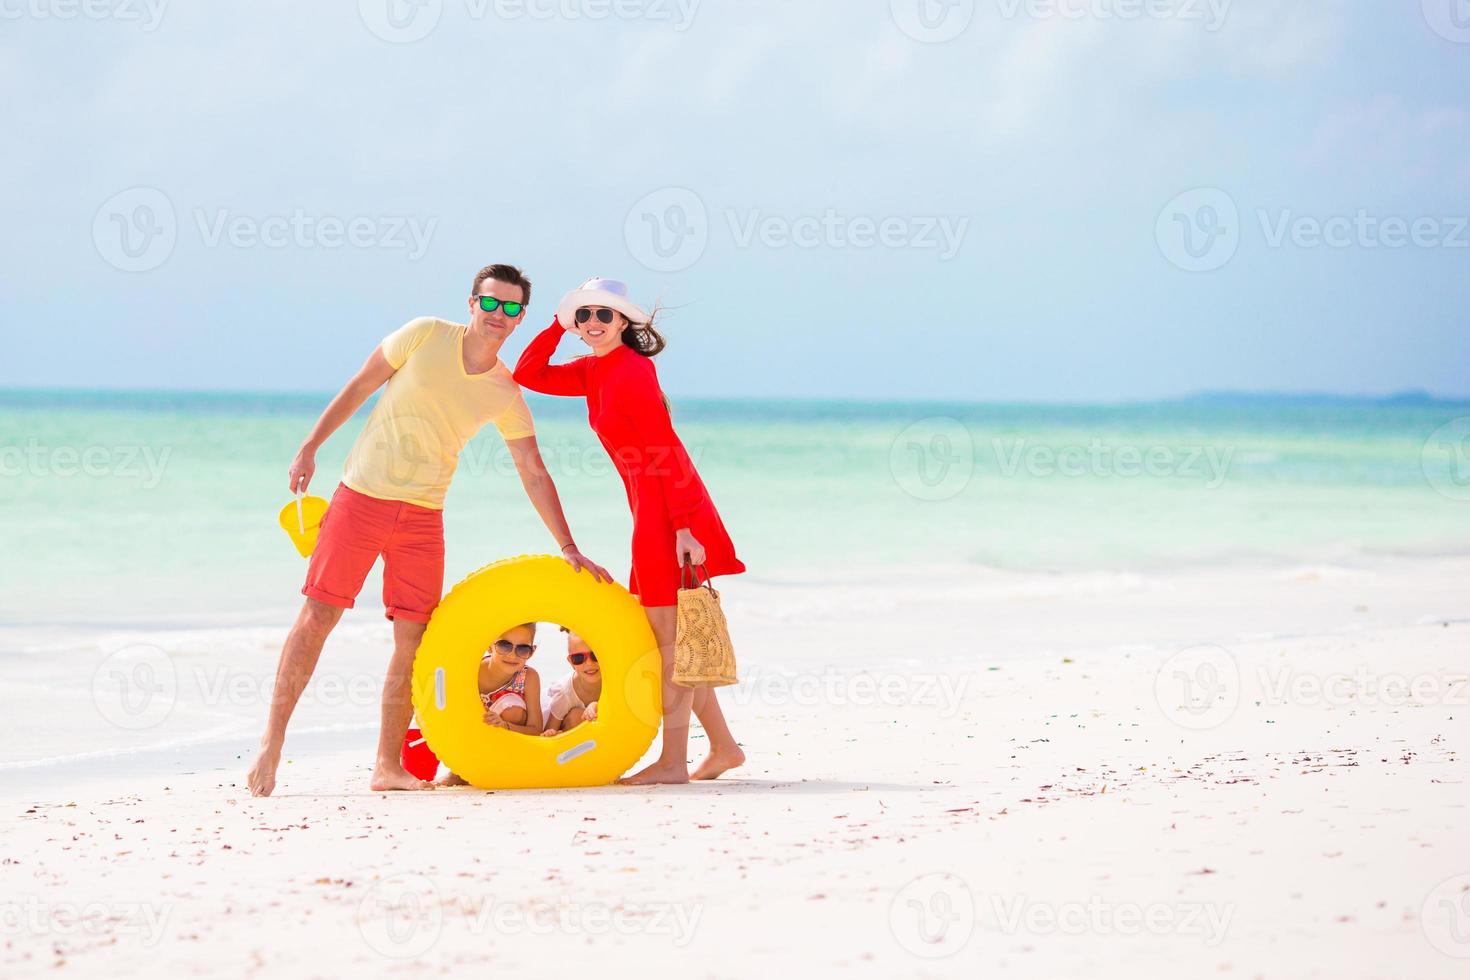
(689, 570)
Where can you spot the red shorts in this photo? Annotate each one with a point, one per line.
(355, 531)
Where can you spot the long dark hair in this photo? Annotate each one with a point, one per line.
(646, 340)
(643, 337)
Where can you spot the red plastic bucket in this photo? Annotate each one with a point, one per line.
(417, 757)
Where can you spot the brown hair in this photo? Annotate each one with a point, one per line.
(643, 337)
(508, 274)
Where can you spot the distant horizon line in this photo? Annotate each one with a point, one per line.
(1409, 396)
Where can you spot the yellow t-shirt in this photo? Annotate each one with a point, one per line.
(426, 413)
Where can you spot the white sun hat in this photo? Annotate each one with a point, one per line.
(600, 292)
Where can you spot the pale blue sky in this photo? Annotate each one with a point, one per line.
(1049, 148)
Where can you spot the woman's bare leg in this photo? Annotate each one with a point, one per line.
(672, 764)
(724, 753)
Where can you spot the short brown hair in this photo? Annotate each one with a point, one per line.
(508, 274)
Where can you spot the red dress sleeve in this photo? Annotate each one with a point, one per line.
(535, 371)
(663, 454)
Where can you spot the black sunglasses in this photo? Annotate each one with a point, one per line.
(604, 315)
(578, 659)
(519, 649)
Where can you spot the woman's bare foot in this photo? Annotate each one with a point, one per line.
(657, 773)
(719, 760)
(262, 775)
(395, 777)
(450, 779)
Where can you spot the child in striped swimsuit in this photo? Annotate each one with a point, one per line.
(509, 689)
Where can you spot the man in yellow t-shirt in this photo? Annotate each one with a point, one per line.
(444, 381)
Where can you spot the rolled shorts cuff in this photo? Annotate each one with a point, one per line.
(407, 615)
(331, 599)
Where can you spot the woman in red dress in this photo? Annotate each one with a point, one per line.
(673, 515)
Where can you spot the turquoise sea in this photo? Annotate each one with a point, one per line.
(159, 508)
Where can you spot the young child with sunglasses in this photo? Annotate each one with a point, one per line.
(509, 689)
(572, 699)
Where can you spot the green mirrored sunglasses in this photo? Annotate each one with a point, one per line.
(489, 304)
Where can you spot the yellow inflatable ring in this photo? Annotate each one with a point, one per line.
(543, 589)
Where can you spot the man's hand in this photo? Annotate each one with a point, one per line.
(685, 543)
(303, 467)
(579, 561)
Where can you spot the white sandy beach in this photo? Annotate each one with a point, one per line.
(994, 776)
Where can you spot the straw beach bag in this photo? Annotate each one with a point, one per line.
(703, 653)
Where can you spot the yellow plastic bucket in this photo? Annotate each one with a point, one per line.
(302, 521)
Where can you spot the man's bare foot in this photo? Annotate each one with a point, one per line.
(395, 777)
(262, 775)
(450, 779)
(655, 774)
(719, 760)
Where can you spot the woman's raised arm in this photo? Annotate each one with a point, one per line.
(535, 371)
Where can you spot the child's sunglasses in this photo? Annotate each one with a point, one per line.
(489, 304)
(519, 649)
(578, 659)
(604, 315)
